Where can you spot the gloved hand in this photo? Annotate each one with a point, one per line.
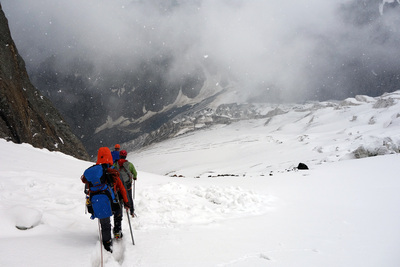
(127, 206)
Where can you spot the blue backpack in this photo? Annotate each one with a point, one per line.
(102, 197)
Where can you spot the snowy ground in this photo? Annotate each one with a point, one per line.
(225, 196)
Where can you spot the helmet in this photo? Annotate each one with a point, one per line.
(117, 146)
(104, 156)
(123, 153)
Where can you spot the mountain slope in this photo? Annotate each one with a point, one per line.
(117, 71)
(239, 201)
(26, 116)
(313, 133)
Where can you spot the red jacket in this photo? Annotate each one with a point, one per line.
(119, 186)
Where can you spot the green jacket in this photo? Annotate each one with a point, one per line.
(132, 169)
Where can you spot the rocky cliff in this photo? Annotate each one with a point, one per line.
(26, 116)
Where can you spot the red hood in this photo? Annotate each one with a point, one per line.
(121, 162)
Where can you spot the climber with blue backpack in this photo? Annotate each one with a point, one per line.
(105, 192)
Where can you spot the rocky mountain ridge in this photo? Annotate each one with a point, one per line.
(134, 98)
(26, 116)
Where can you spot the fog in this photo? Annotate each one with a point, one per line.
(290, 50)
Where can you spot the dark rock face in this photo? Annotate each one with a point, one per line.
(25, 115)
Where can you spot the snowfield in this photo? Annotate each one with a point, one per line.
(229, 195)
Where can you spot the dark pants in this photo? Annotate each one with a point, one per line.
(117, 220)
(132, 208)
(128, 188)
(105, 229)
(106, 225)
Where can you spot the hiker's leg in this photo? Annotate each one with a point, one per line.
(132, 208)
(106, 233)
(117, 220)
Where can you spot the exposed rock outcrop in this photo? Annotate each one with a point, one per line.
(26, 116)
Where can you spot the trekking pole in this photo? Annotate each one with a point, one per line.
(101, 244)
(130, 227)
(133, 199)
(134, 187)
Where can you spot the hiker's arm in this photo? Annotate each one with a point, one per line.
(133, 171)
(86, 190)
(121, 188)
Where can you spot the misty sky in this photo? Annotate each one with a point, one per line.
(301, 47)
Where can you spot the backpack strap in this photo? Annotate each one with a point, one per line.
(127, 170)
(97, 177)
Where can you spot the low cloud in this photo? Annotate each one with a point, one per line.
(279, 50)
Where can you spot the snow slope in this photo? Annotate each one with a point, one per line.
(225, 196)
